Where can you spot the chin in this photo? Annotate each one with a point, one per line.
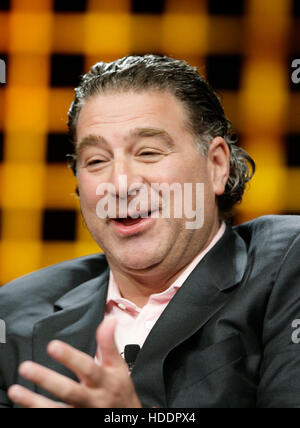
(138, 253)
(139, 260)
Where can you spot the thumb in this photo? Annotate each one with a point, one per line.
(106, 341)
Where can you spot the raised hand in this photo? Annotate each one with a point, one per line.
(105, 386)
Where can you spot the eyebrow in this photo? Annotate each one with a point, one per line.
(152, 132)
(98, 140)
(90, 141)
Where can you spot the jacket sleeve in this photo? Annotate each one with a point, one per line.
(280, 369)
(5, 403)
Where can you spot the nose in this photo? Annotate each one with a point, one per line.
(125, 176)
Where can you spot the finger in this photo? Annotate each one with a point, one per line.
(62, 387)
(106, 341)
(78, 362)
(28, 399)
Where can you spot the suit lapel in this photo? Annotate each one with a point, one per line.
(74, 321)
(77, 315)
(204, 293)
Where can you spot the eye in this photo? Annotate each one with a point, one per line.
(149, 153)
(94, 162)
(149, 156)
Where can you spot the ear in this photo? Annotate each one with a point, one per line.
(219, 164)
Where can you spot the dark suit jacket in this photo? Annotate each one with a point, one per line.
(225, 339)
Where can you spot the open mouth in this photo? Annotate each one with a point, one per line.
(130, 221)
(130, 226)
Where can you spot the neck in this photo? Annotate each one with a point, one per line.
(138, 286)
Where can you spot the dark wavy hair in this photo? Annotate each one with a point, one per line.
(206, 116)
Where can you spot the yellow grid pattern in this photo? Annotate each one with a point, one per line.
(263, 111)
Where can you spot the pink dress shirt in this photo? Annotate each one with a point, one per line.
(134, 323)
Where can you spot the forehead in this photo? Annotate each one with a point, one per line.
(120, 113)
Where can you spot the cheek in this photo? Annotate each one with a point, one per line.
(178, 170)
(87, 189)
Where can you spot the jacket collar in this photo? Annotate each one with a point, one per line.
(79, 295)
(78, 313)
(204, 293)
(75, 319)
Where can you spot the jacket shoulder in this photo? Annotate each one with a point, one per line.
(49, 284)
(270, 231)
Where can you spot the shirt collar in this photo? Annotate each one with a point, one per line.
(114, 292)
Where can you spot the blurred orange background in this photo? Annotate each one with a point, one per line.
(245, 48)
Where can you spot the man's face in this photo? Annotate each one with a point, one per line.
(144, 137)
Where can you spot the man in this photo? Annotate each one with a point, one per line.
(212, 308)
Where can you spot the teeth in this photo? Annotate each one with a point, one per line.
(133, 216)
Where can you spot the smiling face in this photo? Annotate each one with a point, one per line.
(144, 137)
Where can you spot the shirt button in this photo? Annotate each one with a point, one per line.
(122, 306)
